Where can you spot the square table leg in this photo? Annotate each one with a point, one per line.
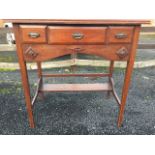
(39, 70)
(128, 74)
(24, 76)
(111, 69)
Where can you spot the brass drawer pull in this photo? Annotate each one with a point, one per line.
(122, 53)
(121, 36)
(78, 36)
(30, 53)
(34, 35)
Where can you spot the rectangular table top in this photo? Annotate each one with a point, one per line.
(69, 21)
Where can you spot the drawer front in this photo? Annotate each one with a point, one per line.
(76, 35)
(33, 34)
(34, 52)
(120, 34)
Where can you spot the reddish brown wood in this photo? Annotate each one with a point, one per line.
(39, 69)
(114, 34)
(79, 75)
(24, 76)
(74, 56)
(111, 69)
(79, 21)
(100, 38)
(128, 74)
(144, 29)
(114, 91)
(67, 35)
(40, 77)
(46, 52)
(76, 87)
(27, 30)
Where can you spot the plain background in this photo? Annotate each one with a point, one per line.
(79, 9)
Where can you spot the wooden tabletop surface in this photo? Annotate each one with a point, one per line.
(69, 21)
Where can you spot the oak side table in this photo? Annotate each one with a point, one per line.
(41, 40)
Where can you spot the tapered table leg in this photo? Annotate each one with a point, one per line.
(24, 76)
(111, 69)
(128, 74)
(125, 92)
(27, 93)
(41, 94)
(74, 57)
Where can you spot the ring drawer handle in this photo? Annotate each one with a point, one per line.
(78, 36)
(34, 35)
(121, 36)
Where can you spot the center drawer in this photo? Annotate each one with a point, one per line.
(76, 35)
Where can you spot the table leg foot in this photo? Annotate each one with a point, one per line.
(30, 113)
(120, 121)
(120, 124)
(32, 125)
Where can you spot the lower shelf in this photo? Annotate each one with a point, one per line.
(76, 87)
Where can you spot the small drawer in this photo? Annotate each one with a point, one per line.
(76, 35)
(120, 34)
(33, 34)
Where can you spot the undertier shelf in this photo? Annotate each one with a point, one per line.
(76, 87)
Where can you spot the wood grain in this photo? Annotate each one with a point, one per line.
(46, 52)
(128, 75)
(27, 29)
(76, 87)
(82, 22)
(96, 41)
(64, 35)
(24, 76)
(114, 31)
